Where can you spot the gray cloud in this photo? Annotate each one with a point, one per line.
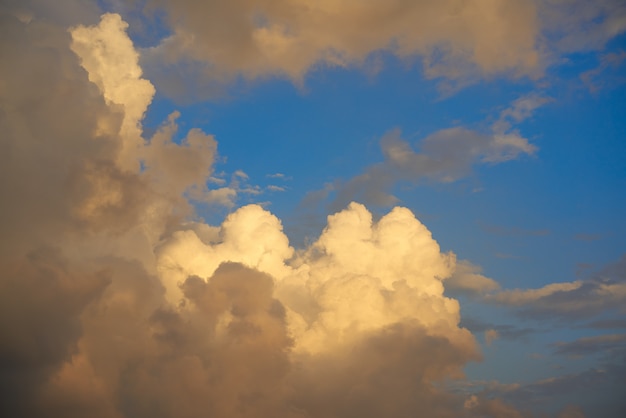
(42, 298)
(505, 331)
(579, 25)
(453, 41)
(282, 39)
(611, 323)
(602, 293)
(592, 345)
(443, 156)
(468, 280)
(117, 321)
(117, 302)
(572, 389)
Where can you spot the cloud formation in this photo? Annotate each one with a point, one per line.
(467, 279)
(455, 41)
(443, 156)
(118, 301)
(592, 345)
(284, 38)
(604, 292)
(567, 389)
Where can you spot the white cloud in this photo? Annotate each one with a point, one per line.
(108, 55)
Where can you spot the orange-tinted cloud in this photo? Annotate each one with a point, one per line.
(455, 39)
(118, 302)
(115, 303)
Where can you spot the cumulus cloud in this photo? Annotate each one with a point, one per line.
(283, 38)
(111, 62)
(42, 299)
(467, 279)
(383, 265)
(118, 301)
(357, 305)
(455, 41)
(323, 335)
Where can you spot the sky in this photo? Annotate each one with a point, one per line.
(313, 209)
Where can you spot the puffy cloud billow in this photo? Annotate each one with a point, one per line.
(117, 300)
(455, 41)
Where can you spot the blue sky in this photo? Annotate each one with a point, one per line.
(500, 126)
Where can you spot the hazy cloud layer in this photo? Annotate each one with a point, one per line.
(609, 343)
(608, 383)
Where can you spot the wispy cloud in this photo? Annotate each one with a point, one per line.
(591, 345)
(444, 156)
(467, 279)
(568, 388)
(603, 292)
(504, 331)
